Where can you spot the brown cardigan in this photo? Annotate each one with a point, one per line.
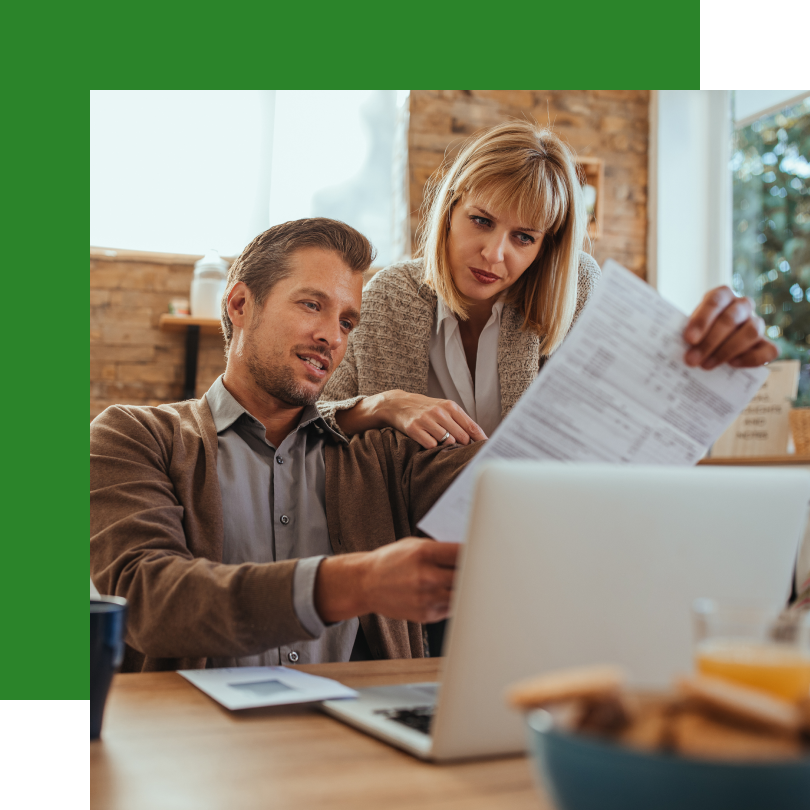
(156, 534)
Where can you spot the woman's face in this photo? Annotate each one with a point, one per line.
(488, 250)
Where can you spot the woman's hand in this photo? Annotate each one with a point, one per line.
(423, 419)
(725, 329)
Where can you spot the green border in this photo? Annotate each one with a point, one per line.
(324, 45)
(45, 503)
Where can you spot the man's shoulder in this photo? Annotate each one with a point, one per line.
(158, 420)
(172, 412)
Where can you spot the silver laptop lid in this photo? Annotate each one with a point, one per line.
(570, 564)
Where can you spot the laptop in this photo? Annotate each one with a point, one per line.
(575, 564)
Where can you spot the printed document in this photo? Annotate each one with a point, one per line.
(617, 391)
(249, 687)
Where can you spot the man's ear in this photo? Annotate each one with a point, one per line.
(240, 303)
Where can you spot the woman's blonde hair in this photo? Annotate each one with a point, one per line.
(522, 168)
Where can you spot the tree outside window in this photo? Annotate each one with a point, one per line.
(771, 221)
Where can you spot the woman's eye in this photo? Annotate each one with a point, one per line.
(483, 221)
(525, 239)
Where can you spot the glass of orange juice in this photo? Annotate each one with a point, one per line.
(753, 645)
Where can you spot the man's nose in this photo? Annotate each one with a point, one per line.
(494, 248)
(329, 334)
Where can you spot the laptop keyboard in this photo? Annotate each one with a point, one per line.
(417, 718)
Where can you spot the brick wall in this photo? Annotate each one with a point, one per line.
(608, 124)
(132, 361)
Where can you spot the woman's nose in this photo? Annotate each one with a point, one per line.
(494, 248)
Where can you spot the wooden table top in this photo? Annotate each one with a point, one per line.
(165, 744)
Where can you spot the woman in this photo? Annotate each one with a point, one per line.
(449, 342)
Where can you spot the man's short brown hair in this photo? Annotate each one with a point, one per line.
(264, 262)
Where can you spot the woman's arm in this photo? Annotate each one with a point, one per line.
(423, 419)
(340, 392)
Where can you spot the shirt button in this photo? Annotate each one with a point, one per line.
(285, 520)
(293, 656)
(279, 460)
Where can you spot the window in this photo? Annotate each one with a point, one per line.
(771, 223)
(182, 171)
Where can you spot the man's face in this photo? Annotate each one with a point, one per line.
(293, 345)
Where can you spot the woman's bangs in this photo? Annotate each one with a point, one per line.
(532, 194)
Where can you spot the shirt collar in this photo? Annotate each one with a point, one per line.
(226, 410)
(444, 313)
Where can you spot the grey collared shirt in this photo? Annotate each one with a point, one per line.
(274, 507)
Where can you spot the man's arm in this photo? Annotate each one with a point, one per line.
(411, 579)
(155, 537)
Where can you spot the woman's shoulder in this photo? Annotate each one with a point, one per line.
(587, 279)
(401, 284)
(588, 275)
(588, 268)
(406, 274)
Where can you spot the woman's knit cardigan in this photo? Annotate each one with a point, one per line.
(390, 347)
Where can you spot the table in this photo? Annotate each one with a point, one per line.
(165, 744)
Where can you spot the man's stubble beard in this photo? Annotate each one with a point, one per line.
(278, 381)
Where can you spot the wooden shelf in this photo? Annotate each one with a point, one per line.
(757, 461)
(193, 327)
(180, 323)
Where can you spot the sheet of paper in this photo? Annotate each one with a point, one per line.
(249, 687)
(617, 391)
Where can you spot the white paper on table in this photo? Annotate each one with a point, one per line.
(249, 687)
(617, 391)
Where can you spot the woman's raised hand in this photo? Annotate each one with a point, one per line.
(423, 419)
(725, 329)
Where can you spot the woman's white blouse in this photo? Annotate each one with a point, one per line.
(449, 376)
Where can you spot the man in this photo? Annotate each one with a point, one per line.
(242, 528)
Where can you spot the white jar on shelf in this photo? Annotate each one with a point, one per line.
(208, 285)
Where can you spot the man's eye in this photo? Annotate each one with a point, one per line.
(347, 325)
(311, 304)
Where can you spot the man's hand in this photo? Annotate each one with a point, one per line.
(411, 579)
(423, 419)
(725, 329)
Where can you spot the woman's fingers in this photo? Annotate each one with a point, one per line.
(706, 313)
(450, 418)
(431, 429)
(725, 329)
(759, 354)
(438, 423)
(462, 428)
(422, 436)
(715, 324)
(428, 421)
(737, 343)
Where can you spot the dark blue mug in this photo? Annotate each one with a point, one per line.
(108, 619)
